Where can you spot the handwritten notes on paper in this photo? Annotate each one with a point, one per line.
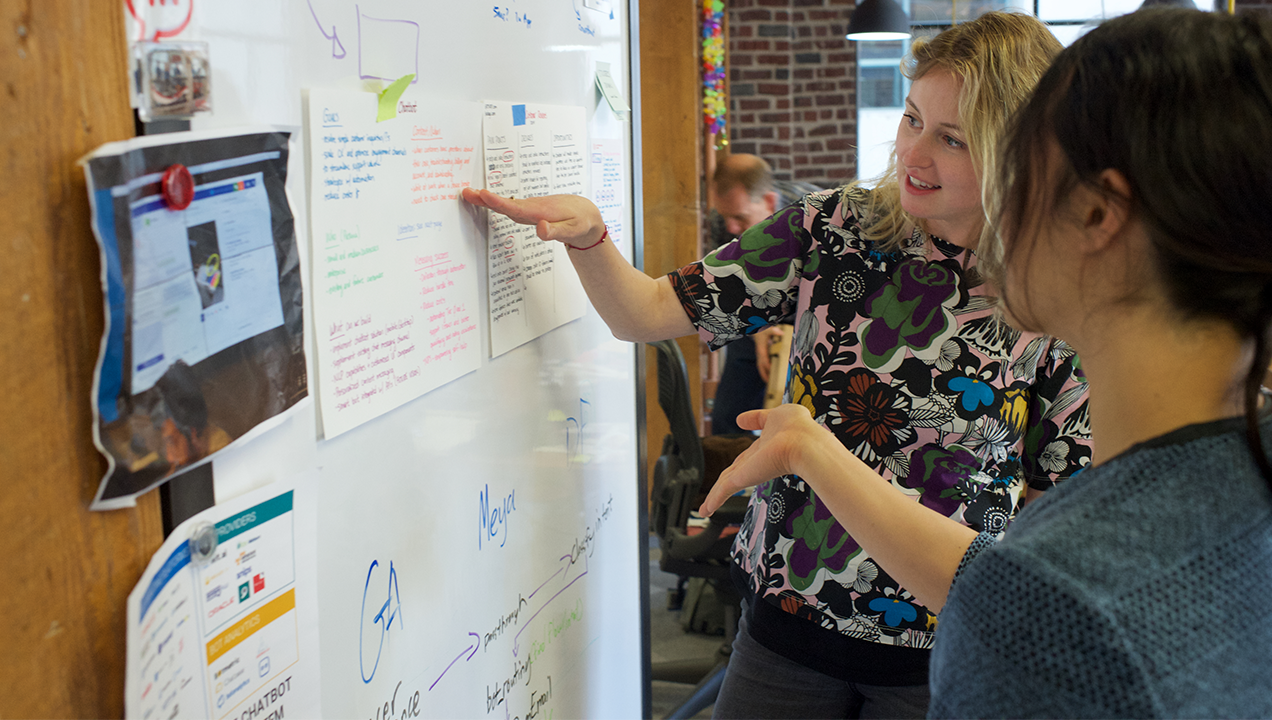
(394, 254)
(609, 192)
(531, 151)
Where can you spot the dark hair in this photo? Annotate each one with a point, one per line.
(1180, 103)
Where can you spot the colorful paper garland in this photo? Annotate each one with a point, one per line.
(714, 107)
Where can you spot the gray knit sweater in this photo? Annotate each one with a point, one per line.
(1140, 588)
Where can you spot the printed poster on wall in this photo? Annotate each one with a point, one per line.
(204, 336)
(230, 629)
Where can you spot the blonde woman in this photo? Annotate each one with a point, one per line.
(896, 352)
(1135, 216)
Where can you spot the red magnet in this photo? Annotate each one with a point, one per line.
(178, 187)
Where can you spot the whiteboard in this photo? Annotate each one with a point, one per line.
(497, 518)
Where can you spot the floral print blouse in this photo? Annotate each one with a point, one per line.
(902, 356)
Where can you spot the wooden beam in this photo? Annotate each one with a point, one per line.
(67, 571)
(671, 117)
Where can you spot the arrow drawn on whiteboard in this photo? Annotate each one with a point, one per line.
(333, 37)
(472, 647)
(575, 561)
(545, 582)
(568, 560)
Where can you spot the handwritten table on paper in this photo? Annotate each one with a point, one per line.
(394, 254)
(531, 151)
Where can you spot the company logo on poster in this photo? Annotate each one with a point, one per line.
(215, 592)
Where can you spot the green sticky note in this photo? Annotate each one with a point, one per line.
(389, 98)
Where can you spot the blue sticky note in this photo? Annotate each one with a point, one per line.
(518, 114)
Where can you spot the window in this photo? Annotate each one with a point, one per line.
(944, 11)
(881, 88)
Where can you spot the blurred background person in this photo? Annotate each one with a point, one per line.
(745, 193)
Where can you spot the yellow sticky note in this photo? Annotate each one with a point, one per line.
(389, 98)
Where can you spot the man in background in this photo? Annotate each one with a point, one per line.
(745, 194)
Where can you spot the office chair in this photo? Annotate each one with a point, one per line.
(679, 475)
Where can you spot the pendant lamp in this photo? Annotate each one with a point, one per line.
(878, 20)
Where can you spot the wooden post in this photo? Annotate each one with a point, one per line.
(671, 115)
(67, 571)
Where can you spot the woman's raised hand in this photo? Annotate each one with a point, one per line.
(571, 219)
(788, 434)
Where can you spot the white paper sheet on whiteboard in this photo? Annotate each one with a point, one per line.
(609, 192)
(531, 151)
(394, 251)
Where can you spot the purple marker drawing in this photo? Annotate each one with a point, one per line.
(387, 48)
(333, 37)
(474, 647)
(516, 640)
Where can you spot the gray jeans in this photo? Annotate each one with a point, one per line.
(762, 684)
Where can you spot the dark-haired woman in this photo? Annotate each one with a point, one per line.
(1137, 225)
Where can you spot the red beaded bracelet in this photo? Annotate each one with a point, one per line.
(589, 247)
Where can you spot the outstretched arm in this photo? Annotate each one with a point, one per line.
(635, 306)
(917, 546)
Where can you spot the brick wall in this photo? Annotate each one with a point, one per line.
(793, 87)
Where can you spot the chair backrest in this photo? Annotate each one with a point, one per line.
(678, 473)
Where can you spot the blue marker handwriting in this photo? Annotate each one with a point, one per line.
(574, 448)
(494, 519)
(507, 14)
(384, 616)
